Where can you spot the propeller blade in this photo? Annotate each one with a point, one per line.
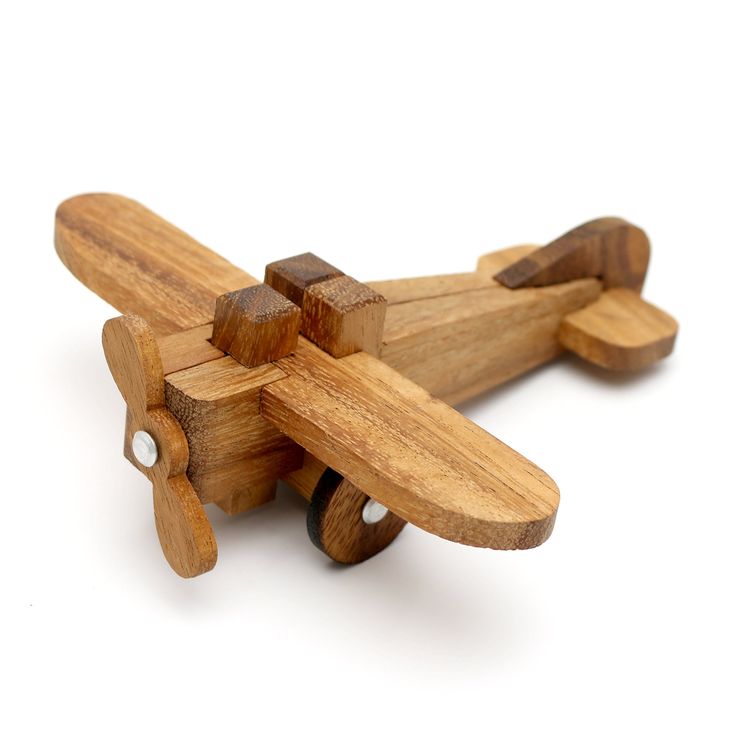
(183, 528)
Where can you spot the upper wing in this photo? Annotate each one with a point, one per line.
(409, 451)
(385, 434)
(141, 264)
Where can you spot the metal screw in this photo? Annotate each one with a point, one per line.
(373, 512)
(145, 449)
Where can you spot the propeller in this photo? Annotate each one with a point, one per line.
(156, 444)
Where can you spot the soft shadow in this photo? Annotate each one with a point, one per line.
(614, 379)
(415, 595)
(515, 385)
(578, 368)
(429, 611)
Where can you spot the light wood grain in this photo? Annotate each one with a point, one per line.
(304, 480)
(609, 248)
(183, 529)
(141, 264)
(460, 345)
(410, 452)
(232, 449)
(400, 291)
(235, 456)
(188, 348)
(619, 331)
(245, 497)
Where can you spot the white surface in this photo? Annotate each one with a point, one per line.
(393, 139)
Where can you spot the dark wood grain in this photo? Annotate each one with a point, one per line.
(343, 316)
(609, 248)
(291, 276)
(335, 522)
(256, 325)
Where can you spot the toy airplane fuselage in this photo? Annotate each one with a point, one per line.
(343, 389)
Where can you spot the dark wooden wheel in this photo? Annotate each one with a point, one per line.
(336, 526)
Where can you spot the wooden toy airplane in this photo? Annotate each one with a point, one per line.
(343, 389)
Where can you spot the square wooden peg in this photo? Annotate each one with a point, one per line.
(256, 325)
(343, 316)
(292, 276)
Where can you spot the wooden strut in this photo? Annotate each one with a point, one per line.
(249, 403)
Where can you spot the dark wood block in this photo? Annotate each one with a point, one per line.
(343, 316)
(256, 325)
(292, 276)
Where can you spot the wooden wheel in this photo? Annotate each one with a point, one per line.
(336, 523)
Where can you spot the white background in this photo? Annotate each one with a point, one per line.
(394, 139)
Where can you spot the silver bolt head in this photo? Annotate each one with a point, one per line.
(145, 449)
(373, 512)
